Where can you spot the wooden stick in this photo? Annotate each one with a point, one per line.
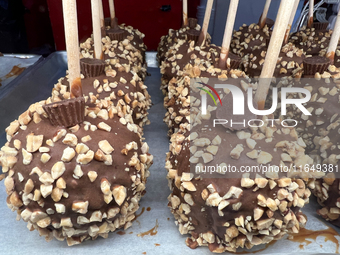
(228, 32)
(112, 9)
(273, 51)
(296, 5)
(101, 13)
(311, 13)
(185, 13)
(205, 25)
(263, 17)
(72, 46)
(97, 34)
(334, 40)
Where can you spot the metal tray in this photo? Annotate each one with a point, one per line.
(22, 56)
(17, 63)
(164, 239)
(33, 85)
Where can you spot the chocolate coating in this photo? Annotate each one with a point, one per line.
(249, 38)
(336, 55)
(321, 134)
(229, 212)
(185, 33)
(77, 183)
(134, 35)
(290, 62)
(327, 192)
(177, 101)
(122, 52)
(184, 58)
(312, 41)
(323, 107)
(124, 90)
(204, 210)
(326, 142)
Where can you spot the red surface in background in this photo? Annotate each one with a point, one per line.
(37, 22)
(144, 15)
(192, 8)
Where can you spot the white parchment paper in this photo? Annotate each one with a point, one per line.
(8, 61)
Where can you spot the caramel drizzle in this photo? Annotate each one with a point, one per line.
(223, 58)
(16, 70)
(304, 234)
(261, 105)
(76, 88)
(331, 56)
(262, 22)
(151, 232)
(201, 38)
(285, 41)
(121, 233)
(137, 215)
(102, 53)
(310, 22)
(185, 20)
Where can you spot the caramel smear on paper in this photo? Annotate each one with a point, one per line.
(16, 70)
(137, 215)
(151, 232)
(304, 234)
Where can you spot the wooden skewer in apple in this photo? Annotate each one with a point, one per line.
(274, 48)
(115, 32)
(310, 14)
(334, 40)
(263, 18)
(101, 14)
(114, 23)
(112, 9)
(228, 32)
(185, 13)
(296, 4)
(205, 26)
(97, 37)
(72, 47)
